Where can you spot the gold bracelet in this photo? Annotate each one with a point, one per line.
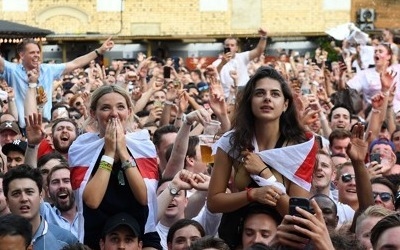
(105, 166)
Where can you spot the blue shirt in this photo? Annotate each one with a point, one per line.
(52, 237)
(53, 216)
(16, 77)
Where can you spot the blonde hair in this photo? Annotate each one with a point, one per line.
(107, 89)
(372, 211)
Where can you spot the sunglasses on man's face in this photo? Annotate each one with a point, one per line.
(347, 177)
(75, 116)
(385, 196)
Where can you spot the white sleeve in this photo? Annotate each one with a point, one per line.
(208, 220)
(357, 81)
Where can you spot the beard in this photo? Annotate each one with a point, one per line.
(59, 148)
(63, 207)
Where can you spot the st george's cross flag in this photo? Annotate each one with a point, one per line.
(83, 155)
(295, 162)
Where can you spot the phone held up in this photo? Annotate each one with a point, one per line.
(167, 72)
(227, 50)
(375, 157)
(301, 202)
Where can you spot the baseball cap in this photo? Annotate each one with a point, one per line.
(121, 219)
(382, 141)
(16, 145)
(10, 125)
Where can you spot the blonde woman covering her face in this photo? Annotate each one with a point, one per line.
(112, 169)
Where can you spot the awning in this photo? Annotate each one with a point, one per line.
(15, 30)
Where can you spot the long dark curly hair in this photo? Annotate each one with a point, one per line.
(243, 123)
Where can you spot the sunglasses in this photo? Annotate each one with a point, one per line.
(385, 196)
(203, 88)
(75, 116)
(347, 177)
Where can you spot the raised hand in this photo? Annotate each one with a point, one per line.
(33, 76)
(34, 130)
(387, 79)
(106, 46)
(200, 182)
(200, 115)
(262, 32)
(377, 101)
(358, 146)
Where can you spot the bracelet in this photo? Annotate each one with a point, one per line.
(375, 110)
(390, 106)
(32, 146)
(385, 93)
(13, 99)
(259, 174)
(179, 118)
(105, 166)
(168, 103)
(97, 52)
(107, 159)
(248, 195)
(32, 85)
(263, 38)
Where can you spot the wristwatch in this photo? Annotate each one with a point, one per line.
(173, 190)
(128, 164)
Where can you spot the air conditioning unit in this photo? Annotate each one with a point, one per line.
(366, 15)
(367, 26)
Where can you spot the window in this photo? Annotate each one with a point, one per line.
(15, 5)
(109, 5)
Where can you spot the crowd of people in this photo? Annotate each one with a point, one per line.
(306, 153)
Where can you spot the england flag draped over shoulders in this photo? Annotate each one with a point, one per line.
(295, 162)
(84, 153)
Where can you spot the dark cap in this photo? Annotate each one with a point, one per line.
(121, 219)
(382, 141)
(10, 125)
(16, 145)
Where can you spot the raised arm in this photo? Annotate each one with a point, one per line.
(357, 150)
(177, 159)
(34, 135)
(259, 49)
(81, 61)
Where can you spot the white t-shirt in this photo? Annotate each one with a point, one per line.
(368, 82)
(238, 63)
(208, 220)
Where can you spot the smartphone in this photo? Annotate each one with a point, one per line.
(167, 72)
(304, 203)
(301, 202)
(226, 50)
(375, 157)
